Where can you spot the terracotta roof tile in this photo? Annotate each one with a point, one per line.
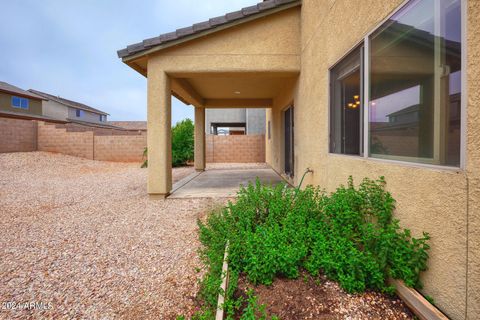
(205, 25)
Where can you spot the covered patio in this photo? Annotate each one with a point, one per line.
(223, 181)
(245, 59)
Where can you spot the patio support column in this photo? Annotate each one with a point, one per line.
(159, 135)
(199, 139)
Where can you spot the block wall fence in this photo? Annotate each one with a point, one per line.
(235, 148)
(22, 135)
(17, 135)
(92, 142)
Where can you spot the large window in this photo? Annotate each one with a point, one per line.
(346, 108)
(413, 72)
(415, 66)
(20, 103)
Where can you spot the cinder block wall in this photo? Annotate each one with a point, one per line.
(17, 135)
(120, 148)
(92, 143)
(238, 149)
(114, 145)
(55, 138)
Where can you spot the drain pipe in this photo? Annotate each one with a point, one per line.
(308, 170)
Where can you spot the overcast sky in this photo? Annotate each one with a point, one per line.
(68, 47)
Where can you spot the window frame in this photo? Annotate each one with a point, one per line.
(20, 100)
(360, 47)
(365, 41)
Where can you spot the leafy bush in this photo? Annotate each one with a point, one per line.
(182, 144)
(349, 235)
(145, 158)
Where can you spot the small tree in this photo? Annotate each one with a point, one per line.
(182, 144)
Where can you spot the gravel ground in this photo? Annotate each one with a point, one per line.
(82, 238)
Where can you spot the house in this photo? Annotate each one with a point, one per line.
(67, 110)
(351, 87)
(235, 121)
(18, 101)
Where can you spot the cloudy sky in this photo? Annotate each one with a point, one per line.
(68, 47)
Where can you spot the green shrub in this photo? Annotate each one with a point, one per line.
(182, 144)
(145, 158)
(349, 235)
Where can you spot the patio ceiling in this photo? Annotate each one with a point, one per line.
(232, 90)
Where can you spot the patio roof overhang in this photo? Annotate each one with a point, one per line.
(132, 55)
(241, 60)
(250, 60)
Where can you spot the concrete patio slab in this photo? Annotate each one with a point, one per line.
(222, 183)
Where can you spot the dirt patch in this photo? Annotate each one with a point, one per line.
(319, 298)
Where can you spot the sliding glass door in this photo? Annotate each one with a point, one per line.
(289, 139)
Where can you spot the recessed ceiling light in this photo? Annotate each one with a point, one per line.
(237, 92)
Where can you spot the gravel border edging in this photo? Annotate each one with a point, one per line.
(223, 286)
(417, 303)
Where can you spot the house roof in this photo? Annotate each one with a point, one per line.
(28, 116)
(8, 88)
(206, 27)
(66, 102)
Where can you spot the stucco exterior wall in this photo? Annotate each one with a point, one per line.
(253, 118)
(55, 110)
(275, 146)
(34, 106)
(86, 116)
(232, 50)
(223, 115)
(445, 203)
(473, 158)
(255, 121)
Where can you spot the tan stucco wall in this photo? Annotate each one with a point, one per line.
(473, 158)
(445, 203)
(432, 200)
(34, 106)
(55, 110)
(227, 53)
(275, 145)
(276, 48)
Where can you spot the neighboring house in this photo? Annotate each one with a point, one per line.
(351, 87)
(16, 100)
(68, 110)
(235, 121)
